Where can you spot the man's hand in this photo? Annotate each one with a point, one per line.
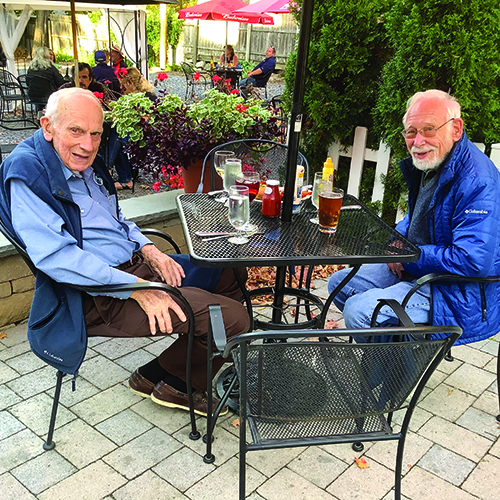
(156, 304)
(396, 267)
(171, 272)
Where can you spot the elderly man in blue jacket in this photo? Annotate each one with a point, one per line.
(453, 217)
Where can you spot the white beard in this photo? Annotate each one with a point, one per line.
(425, 164)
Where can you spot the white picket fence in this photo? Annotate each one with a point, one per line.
(358, 153)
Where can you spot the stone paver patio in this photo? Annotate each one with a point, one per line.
(112, 444)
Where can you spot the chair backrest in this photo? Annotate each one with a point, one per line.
(303, 389)
(188, 70)
(262, 81)
(268, 158)
(20, 249)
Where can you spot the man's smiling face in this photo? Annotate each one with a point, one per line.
(76, 134)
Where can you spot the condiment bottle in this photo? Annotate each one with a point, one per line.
(328, 170)
(212, 64)
(297, 194)
(271, 199)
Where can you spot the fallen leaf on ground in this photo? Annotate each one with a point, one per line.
(3, 335)
(331, 324)
(235, 422)
(361, 463)
(450, 392)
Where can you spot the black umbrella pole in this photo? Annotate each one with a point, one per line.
(296, 117)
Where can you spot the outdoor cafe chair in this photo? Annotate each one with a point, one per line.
(304, 392)
(441, 279)
(191, 82)
(15, 105)
(194, 434)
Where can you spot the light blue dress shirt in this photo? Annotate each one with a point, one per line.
(108, 238)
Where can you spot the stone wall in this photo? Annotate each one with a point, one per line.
(156, 211)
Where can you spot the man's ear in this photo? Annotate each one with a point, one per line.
(458, 128)
(47, 128)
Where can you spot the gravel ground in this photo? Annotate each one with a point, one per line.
(174, 84)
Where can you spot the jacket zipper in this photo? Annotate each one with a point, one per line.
(483, 300)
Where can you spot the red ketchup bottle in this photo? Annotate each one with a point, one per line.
(271, 200)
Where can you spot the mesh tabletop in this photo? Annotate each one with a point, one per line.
(361, 237)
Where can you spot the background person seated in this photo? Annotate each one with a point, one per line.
(103, 72)
(133, 82)
(231, 60)
(259, 76)
(43, 78)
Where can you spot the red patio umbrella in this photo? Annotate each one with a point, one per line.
(223, 10)
(269, 6)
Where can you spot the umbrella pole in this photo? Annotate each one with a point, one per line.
(297, 108)
(75, 46)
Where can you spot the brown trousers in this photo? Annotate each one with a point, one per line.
(110, 317)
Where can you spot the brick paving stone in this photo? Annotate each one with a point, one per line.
(481, 423)
(495, 449)
(470, 379)
(102, 372)
(91, 483)
(472, 355)
(384, 452)
(123, 427)
(422, 485)
(290, 485)
(493, 387)
(491, 347)
(7, 373)
(447, 402)
(183, 469)
(363, 484)
(225, 445)
(390, 496)
(154, 446)
(269, 462)
(9, 425)
(436, 379)
(89, 354)
(168, 419)
(157, 347)
(148, 487)
(16, 350)
(35, 382)
(7, 397)
(81, 444)
(19, 448)
(93, 341)
(419, 418)
(135, 359)
(116, 348)
(447, 465)
(222, 483)
(25, 363)
(43, 471)
(15, 335)
(35, 413)
(317, 466)
(487, 402)
(483, 480)
(105, 404)
(70, 397)
(456, 438)
(12, 489)
(255, 496)
(491, 366)
(449, 366)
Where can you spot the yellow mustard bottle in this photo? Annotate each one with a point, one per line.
(328, 170)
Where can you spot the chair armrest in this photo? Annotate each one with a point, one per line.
(398, 309)
(161, 234)
(217, 326)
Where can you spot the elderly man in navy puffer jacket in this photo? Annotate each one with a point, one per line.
(453, 217)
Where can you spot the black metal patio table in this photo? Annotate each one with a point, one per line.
(233, 73)
(361, 238)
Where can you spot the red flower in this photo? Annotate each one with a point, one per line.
(228, 80)
(216, 78)
(241, 108)
(235, 91)
(162, 76)
(99, 95)
(107, 81)
(120, 72)
(196, 76)
(156, 186)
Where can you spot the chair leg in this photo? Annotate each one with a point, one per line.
(399, 468)
(49, 444)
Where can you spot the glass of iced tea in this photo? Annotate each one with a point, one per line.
(330, 201)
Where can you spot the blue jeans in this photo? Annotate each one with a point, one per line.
(246, 81)
(358, 299)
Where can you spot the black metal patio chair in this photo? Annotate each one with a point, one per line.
(194, 434)
(193, 82)
(440, 280)
(15, 105)
(303, 392)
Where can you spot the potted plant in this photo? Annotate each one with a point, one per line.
(169, 139)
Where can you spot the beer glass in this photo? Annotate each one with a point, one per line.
(330, 201)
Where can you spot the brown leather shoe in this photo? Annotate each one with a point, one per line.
(140, 385)
(166, 395)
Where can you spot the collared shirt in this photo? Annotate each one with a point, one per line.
(108, 238)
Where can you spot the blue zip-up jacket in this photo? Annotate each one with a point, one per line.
(56, 327)
(464, 220)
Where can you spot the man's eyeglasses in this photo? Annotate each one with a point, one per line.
(411, 133)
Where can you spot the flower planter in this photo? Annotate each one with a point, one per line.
(192, 176)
